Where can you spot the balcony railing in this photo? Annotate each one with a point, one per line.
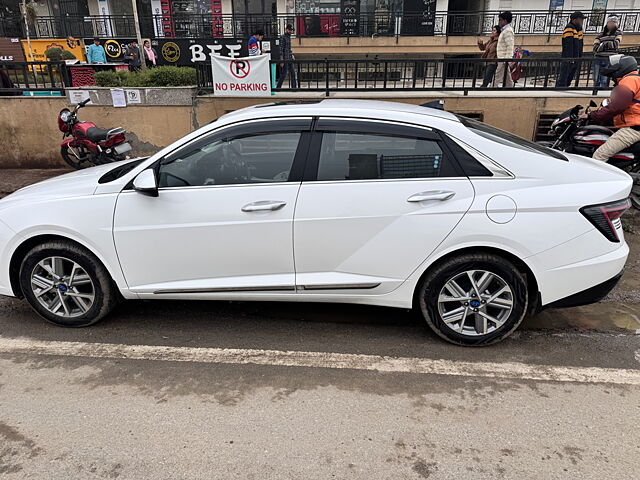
(530, 22)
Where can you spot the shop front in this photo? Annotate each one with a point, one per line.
(333, 18)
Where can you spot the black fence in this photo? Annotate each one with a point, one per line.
(425, 74)
(20, 77)
(463, 75)
(390, 24)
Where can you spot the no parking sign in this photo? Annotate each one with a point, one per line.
(242, 77)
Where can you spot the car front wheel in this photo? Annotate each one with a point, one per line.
(66, 284)
(475, 299)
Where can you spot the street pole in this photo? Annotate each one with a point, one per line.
(26, 27)
(143, 63)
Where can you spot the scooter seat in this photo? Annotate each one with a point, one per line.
(96, 134)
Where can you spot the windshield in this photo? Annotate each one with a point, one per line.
(508, 139)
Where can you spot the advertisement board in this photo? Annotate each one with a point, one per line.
(421, 17)
(189, 51)
(182, 52)
(114, 48)
(39, 46)
(350, 17)
(239, 77)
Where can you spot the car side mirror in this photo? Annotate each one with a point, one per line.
(145, 183)
(605, 102)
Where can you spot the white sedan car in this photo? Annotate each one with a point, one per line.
(335, 201)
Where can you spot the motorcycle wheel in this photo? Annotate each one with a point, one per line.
(635, 200)
(72, 160)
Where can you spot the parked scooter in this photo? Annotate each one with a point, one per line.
(574, 135)
(89, 144)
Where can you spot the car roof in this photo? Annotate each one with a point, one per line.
(343, 107)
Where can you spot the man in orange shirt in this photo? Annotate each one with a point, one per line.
(623, 109)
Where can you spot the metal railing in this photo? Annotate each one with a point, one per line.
(424, 74)
(308, 24)
(463, 75)
(32, 77)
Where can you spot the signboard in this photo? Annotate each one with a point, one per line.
(188, 52)
(39, 46)
(11, 50)
(77, 96)
(597, 17)
(113, 47)
(556, 4)
(182, 52)
(421, 17)
(350, 17)
(216, 18)
(133, 96)
(241, 77)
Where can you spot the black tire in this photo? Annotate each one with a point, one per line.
(429, 291)
(105, 292)
(71, 160)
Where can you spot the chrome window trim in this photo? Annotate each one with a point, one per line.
(388, 180)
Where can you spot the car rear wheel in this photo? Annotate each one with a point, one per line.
(474, 299)
(66, 284)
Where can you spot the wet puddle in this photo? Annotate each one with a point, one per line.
(606, 316)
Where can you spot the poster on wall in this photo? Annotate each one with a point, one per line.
(240, 77)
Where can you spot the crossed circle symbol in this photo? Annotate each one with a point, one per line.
(239, 68)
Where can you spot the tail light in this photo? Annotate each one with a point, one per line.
(606, 217)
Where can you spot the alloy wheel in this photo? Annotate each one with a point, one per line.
(475, 302)
(62, 286)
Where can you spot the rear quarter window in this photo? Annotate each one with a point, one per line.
(508, 139)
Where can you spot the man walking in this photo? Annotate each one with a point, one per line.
(286, 57)
(504, 50)
(572, 46)
(132, 56)
(96, 53)
(254, 43)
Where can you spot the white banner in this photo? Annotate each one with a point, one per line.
(241, 77)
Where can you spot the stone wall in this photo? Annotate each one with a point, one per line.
(29, 135)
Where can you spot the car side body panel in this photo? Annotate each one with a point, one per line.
(536, 218)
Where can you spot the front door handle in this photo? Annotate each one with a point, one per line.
(440, 195)
(263, 206)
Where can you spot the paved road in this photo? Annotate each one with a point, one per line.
(175, 390)
(336, 392)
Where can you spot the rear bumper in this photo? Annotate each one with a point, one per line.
(588, 296)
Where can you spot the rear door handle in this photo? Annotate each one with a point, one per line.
(440, 195)
(263, 206)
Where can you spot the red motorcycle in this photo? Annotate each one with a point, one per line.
(89, 144)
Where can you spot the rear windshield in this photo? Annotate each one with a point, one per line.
(508, 139)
